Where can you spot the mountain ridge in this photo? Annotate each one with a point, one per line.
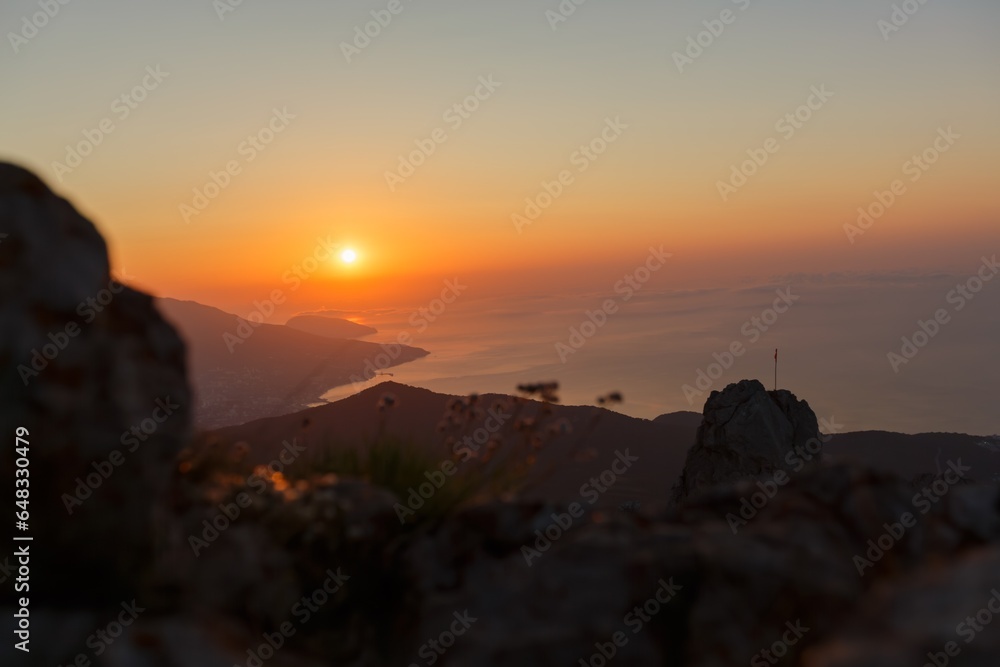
(662, 444)
(242, 370)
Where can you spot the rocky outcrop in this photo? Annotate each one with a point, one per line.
(521, 584)
(96, 378)
(550, 595)
(748, 432)
(945, 614)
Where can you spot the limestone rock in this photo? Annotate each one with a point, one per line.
(97, 378)
(946, 613)
(748, 432)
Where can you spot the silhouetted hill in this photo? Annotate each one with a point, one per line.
(564, 464)
(330, 327)
(684, 419)
(272, 371)
(912, 455)
(661, 444)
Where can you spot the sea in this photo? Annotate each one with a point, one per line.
(895, 352)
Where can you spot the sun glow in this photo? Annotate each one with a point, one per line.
(348, 256)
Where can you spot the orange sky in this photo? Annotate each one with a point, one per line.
(547, 94)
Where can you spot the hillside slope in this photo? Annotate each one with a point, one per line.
(274, 370)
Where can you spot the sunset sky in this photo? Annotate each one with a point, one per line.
(324, 174)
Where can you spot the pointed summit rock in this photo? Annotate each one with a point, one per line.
(749, 433)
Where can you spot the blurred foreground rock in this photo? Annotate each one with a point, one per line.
(946, 613)
(792, 563)
(97, 378)
(823, 571)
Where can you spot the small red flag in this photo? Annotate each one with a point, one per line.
(775, 354)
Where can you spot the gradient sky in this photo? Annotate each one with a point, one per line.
(324, 176)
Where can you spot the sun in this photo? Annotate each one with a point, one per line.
(348, 256)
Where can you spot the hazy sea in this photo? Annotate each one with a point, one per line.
(834, 338)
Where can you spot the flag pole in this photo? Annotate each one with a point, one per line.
(776, 369)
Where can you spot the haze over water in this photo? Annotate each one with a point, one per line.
(834, 344)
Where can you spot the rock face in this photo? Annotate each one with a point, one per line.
(546, 597)
(943, 614)
(748, 432)
(97, 378)
(504, 584)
